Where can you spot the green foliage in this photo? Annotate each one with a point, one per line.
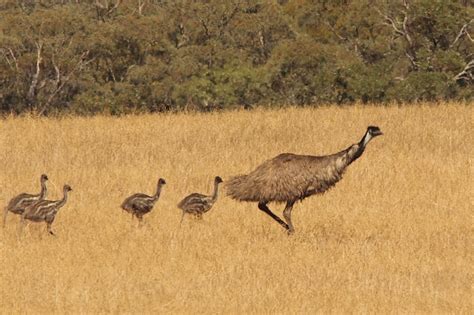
(111, 56)
(422, 86)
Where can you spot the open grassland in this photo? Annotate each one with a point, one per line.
(394, 235)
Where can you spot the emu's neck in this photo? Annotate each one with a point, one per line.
(43, 191)
(216, 190)
(158, 192)
(352, 153)
(360, 147)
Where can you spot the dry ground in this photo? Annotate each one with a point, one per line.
(395, 235)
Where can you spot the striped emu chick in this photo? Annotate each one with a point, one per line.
(45, 210)
(289, 177)
(140, 204)
(18, 204)
(198, 204)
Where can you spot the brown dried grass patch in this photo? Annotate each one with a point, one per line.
(395, 235)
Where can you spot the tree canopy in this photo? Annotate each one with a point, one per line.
(113, 56)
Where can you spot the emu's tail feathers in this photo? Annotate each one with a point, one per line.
(241, 188)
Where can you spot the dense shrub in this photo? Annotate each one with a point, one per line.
(114, 56)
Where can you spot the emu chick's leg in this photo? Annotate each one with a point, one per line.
(182, 217)
(22, 224)
(5, 212)
(263, 206)
(48, 227)
(287, 216)
(140, 220)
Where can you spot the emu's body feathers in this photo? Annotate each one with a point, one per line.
(291, 177)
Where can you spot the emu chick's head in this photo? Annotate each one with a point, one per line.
(44, 177)
(161, 181)
(67, 188)
(218, 180)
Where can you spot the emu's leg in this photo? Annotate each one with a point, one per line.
(287, 216)
(263, 206)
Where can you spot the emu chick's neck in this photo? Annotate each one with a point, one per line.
(215, 193)
(158, 192)
(43, 191)
(62, 202)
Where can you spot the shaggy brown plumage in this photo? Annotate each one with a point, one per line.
(290, 177)
(140, 204)
(44, 210)
(198, 204)
(18, 204)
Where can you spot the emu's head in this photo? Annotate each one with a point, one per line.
(43, 178)
(372, 132)
(161, 181)
(218, 180)
(67, 188)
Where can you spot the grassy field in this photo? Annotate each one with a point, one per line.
(395, 235)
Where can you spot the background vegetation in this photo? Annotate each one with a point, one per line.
(112, 56)
(395, 235)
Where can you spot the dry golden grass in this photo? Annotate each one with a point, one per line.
(395, 235)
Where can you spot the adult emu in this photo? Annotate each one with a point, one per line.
(290, 177)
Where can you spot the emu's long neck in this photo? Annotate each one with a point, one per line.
(216, 191)
(43, 191)
(62, 202)
(354, 152)
(158, 192)
(361, 147)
